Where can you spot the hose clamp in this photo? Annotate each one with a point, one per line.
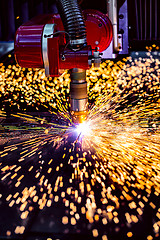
(77, 41)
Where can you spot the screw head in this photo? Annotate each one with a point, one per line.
(121, 16)
(63, 58)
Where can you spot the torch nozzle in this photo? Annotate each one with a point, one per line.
(79, 117)
(78, 95)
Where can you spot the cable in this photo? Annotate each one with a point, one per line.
(67, 43)
(53, 34)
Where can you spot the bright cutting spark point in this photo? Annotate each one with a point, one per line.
(83, 128)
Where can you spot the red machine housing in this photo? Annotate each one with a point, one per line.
(99, 29)
(29, 39)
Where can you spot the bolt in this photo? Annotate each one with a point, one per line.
(63, 58)
(121, 16)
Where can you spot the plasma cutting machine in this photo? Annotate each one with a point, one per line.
(75, 40)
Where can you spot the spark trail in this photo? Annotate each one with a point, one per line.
(102, 176)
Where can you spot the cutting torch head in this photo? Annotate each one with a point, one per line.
(79, 117)
(78, 95)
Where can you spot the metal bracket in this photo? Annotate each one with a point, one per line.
(48, 30)
(123, 26)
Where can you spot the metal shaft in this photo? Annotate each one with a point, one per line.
(78, 95)
(112, 13)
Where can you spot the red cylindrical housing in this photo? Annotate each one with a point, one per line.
(28, 51)
(28, 40)
(99, 29)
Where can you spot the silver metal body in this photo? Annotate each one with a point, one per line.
(119, 19)
(112, 13)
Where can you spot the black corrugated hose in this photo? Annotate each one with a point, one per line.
(73, 22)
